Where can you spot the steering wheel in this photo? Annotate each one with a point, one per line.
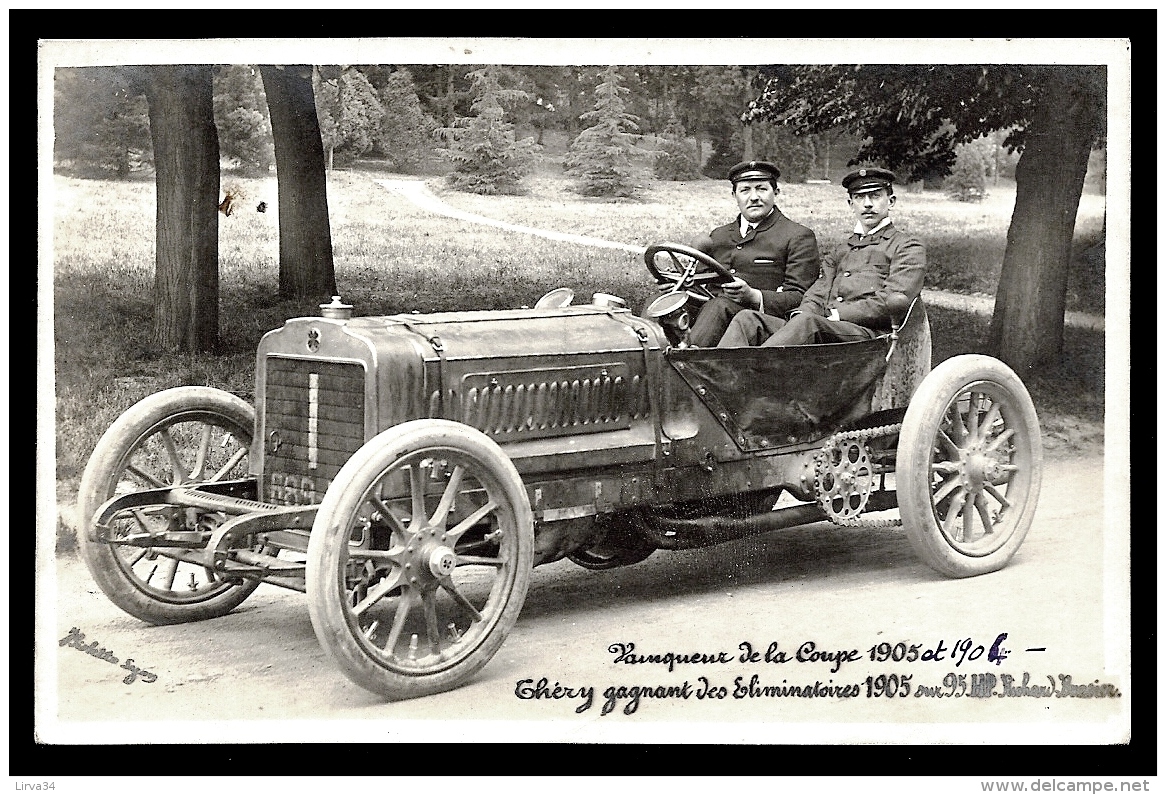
(683, 273)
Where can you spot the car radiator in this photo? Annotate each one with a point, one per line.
(314, 419)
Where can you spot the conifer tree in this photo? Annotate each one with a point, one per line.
(487, 159)
(406, 130)
(599, 157)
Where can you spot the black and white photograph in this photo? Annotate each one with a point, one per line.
(629, 391)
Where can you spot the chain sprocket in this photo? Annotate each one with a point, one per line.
(844, 476)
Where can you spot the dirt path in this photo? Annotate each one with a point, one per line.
(417, 192)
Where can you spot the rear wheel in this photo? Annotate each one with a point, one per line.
(968, 466)
(420, 558)
(179, 437)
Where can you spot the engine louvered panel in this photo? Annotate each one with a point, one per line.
(532, 404)
(314, 416)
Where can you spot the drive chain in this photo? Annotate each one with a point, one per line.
(823, 465)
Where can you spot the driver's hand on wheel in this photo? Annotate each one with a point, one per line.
(739, 291)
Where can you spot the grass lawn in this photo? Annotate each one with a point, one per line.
(392, 256)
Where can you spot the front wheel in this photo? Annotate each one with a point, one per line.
(968, 466)
(180, 437)
(420, 558)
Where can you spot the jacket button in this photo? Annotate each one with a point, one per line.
(738, 245)
(732, 270)
(839, 298)
(846, 274)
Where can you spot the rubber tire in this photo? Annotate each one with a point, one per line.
(331, 531)
(103, 471)
(914, 457)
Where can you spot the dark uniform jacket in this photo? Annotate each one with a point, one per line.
(858, 282)
(779, 258)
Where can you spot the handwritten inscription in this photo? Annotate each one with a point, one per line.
(884, 686)
(1022, 686)
(960, 651)
(625, 653)
(76, 640)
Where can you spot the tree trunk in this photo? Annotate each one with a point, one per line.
(450, 110)
(186, 161)
(305, 237)
(572, 116)
(123, 163)
(750, 76)
(664, 109)
(1029, 319)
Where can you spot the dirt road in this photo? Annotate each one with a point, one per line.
(840, 589)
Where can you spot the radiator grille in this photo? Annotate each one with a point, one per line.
(313, 423)
(555, 402)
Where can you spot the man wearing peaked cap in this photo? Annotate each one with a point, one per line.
(868, 180)
(774, 259)
(849, 301)
(754, 169)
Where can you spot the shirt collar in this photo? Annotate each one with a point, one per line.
(883, 224)
(744, 228)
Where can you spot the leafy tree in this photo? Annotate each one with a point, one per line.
(676, 159)
(794, 155)
(349, 111)
(486, 157)
(241, 118)
(830, 152)
(406, 132)
(913, 115)
(306, 267)
(967, 182)
(101, 119)
(186, 156)
(599, 155)
(721, 95)
(999, 161)
(659, 94)
(728, 146)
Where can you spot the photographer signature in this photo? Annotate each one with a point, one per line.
(76, 640)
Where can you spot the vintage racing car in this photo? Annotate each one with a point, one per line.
(407, 472)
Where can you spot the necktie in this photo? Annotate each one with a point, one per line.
(749, 229)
